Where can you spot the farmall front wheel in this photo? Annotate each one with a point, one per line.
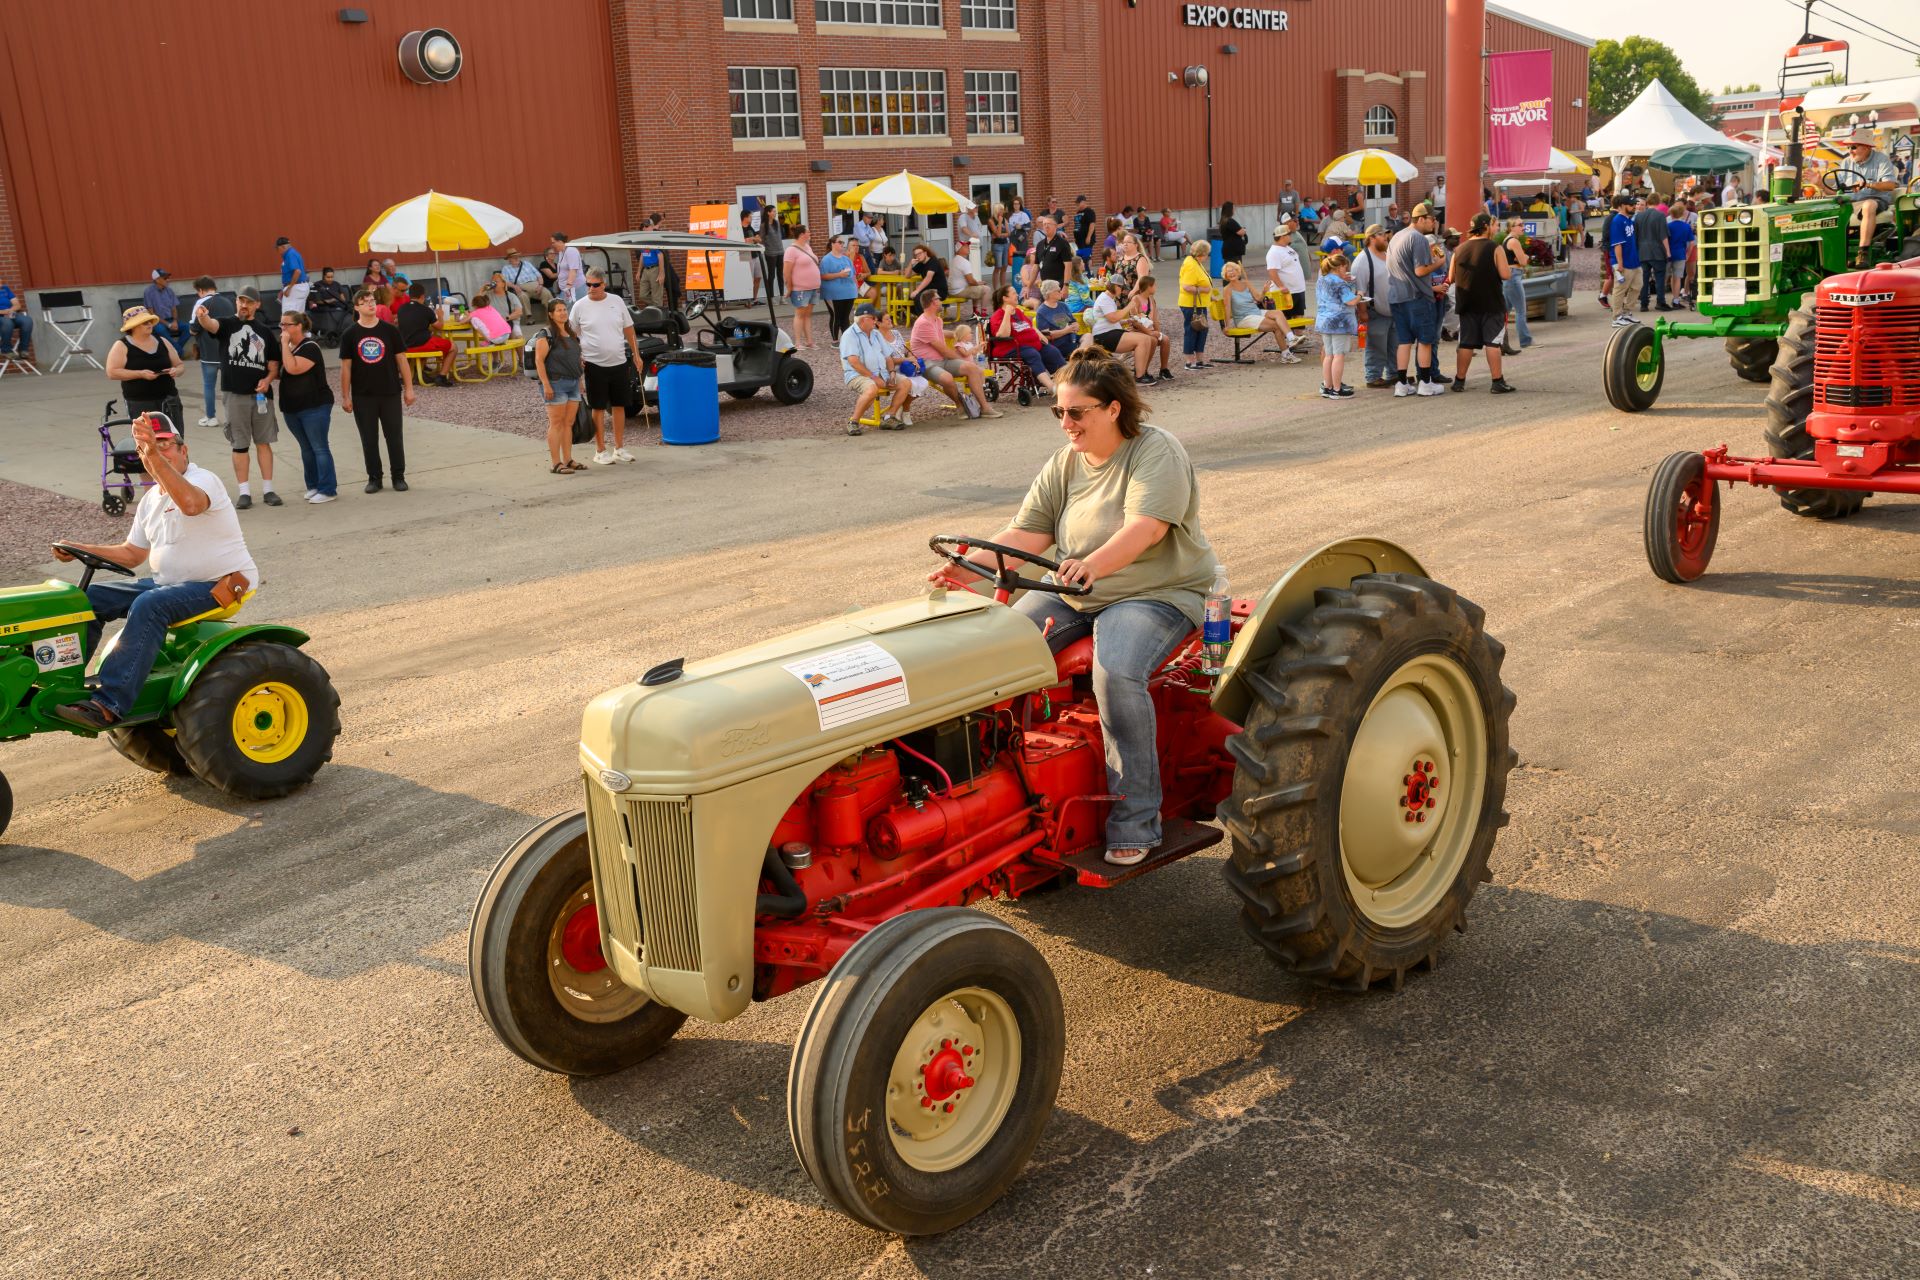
(539, 976)
(1370, 779)
(1789, 401)
(926, 1070)
(1682, 519)
(1634, 368)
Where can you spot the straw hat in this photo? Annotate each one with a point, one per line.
(133, 317)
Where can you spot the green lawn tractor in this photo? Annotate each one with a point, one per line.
(1757, 264)
(239, 707)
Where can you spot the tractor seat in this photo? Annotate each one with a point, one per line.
(220, 614)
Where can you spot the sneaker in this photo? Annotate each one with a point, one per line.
(272, 499)
(373, 486)
(1402, 388)
(988, 411)
(308, 495)
(1343, 392)
(399, 485)
(855, 429)
(621, 455)
(892, 424)
(1166, 375)
(603, 459)
(1622, 320)
(1127, 857)
(1378, 384)
(1501, 386)
(323, 497)
(906, 420)
(1458, 384)
(209, 422)
(1432, 389)
(1328, 393)
(243, 502)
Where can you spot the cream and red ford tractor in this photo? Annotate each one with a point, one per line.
(822, 805)
(1843, 420)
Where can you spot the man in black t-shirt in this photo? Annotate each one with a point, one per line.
(374, 385)
(1083, 224)
(250, 354)
(1051, 252)
(417, 323)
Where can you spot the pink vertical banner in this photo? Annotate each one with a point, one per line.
(1520, 111)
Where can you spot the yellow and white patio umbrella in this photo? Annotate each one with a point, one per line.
(1369, 167)
(440, 223)
(1564, 162)
(903, 193)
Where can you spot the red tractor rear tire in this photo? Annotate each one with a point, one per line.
(1789, 401)
(1682, 519)
(1383, 708)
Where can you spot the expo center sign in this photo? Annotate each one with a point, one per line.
(1208, 15)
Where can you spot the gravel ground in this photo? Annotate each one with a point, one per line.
(26, 513)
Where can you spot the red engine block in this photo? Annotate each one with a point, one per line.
(1866, 370)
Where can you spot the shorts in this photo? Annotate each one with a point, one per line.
(1000, 254)
(565, 390)
(608, 387)
(958, 368)
(1337, 344)
(247, 423)
(1110, 340)
(1482, 329)
(439, 342)
(803, 297)
(1417, 321)
(860, 387)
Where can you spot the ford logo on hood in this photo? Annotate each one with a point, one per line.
(614, 780)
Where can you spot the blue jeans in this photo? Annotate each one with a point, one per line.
(210, 386)
(149, 609)
(1379, 355)
(22, 325)
(1193, 342)
(1653, 281)
(1515, 291)
(175, 333)
(309, 427)
(1131, 638)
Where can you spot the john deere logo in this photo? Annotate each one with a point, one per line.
(1859, 299)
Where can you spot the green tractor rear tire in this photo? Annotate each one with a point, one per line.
(1752, 358)
(1370, 780)
(1789, 401)
(259, 721)
(151, 747)
(1633, 369)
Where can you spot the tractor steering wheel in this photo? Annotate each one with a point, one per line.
(1843, 181)
(92, 562)
(1005, 580)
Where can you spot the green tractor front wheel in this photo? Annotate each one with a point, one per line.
(1752, 358)
(1635, 366)
(259, 721)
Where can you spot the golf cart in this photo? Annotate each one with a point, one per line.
(748, 353)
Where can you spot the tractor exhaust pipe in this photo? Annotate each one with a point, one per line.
(790, 902)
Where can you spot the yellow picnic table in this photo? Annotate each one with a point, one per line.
(893, 289)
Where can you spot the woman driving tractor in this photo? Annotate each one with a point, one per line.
(1120, 502)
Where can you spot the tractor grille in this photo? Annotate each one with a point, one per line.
(644, 872)
(1867, 357)
(1730, 251)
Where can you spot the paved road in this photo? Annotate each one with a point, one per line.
(236, 1040)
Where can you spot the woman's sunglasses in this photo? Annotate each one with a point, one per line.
(1074, 411)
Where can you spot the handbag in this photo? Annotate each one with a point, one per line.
(1198, 321)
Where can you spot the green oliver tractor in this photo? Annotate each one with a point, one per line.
(1757, 263)
(239, 707)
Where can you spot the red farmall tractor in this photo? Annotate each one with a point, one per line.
(823, 805)
(1843, 420)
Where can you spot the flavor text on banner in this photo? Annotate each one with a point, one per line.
(1520, 111)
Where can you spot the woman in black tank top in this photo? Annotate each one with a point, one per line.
(145, 364)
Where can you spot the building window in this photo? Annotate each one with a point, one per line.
(986, 15)
(761, 10)
(883, 104)
(1381, 125)
(993, 102)
(880, 13)
(764, 101)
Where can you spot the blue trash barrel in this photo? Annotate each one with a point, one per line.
(1217, 262)
(689, 392)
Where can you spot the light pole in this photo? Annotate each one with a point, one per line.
(1197, 78)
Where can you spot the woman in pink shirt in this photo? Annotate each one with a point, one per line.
(802, 271)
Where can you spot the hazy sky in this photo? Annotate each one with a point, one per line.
(1739, 41)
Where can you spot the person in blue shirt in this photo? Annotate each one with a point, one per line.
(1056, 321)
(159, 298)
(1623, 256)
(293, 277)
(16, 326)
(650, 284)
(1337, 323)
(837, 287)
(1679, 243)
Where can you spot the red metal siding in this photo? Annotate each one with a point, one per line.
(308, 129)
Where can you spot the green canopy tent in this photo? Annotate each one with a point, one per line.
(1701, 159)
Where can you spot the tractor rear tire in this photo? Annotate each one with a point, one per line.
(1349, 874)
(259, 721)
(539, 978)
(1682, 521)
(1632, 378)
(1789, 401)
(926, 1070)
(151, 747)
(1752, 358)
(6, 803)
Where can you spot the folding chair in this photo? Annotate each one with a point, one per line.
(67, 314)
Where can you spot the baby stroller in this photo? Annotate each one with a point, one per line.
(1010, 373)
(121, 470)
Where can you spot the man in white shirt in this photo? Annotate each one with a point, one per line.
(1731, 194)
(965, 282)
(608, 356)
(1285, 272)
(187, 527)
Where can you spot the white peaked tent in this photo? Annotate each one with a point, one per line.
(1651, 121)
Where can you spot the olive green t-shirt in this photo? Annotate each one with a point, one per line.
(1081, 506)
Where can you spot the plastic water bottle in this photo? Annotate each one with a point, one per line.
(1216, 631)
(260, 401)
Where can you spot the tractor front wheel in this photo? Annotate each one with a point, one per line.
(150, 746)
(1789, 400)
(1370, 779)
(539, 976)
(1683, 518)
(1752, 358)
(1635, 366)
(259, 721)
(926, 1070)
